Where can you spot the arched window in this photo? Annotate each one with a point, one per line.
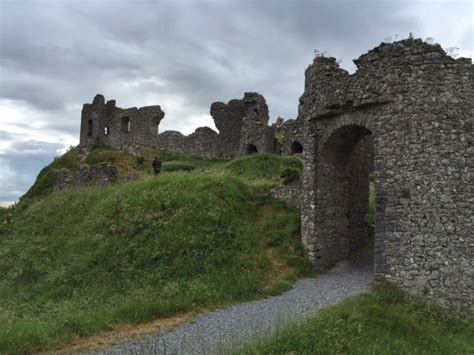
(296, 148)
(251, 149)
(125, 125)
(106, 130)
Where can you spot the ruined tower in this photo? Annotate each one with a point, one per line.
(410, 106)
(117, 127)
(243, 126)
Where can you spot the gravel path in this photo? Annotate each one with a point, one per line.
(230, 328)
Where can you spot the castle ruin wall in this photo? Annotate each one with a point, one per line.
(415, 104)
(243, 121)
(100, 175)
(289, 136)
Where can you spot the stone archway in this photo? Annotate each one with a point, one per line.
(421, 164)
(345, 155)
(251, 149)
(296, 148)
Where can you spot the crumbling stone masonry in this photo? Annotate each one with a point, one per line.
(200, 143)
(243, 128)
(118, 127)
(411, 106)
(290, 193)
(101, 175)
(289, 136)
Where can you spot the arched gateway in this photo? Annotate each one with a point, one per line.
(406, 114)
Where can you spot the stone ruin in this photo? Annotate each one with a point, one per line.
(288, 136)
(410, 106)
(406, 114)
(242, 124)
(100, 175)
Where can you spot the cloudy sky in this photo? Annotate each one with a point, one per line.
(183, 55)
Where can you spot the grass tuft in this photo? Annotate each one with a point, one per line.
(264, 166)
(384, 321)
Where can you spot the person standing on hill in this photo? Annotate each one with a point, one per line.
(156, 165)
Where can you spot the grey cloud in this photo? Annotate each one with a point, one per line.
(58, 54)
(32, 148)
(7, 136)
(173, 39)
(21, 163)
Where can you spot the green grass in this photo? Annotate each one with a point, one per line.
(264, 166)
(4, 212)
(384, 321)
(130, 167)
(260, 168)
(83, 260)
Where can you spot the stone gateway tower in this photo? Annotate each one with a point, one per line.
(408, 111)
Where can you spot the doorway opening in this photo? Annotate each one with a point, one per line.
(346, 208)
(251, 149)
(125, 125)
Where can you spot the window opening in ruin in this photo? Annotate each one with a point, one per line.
(251, 149)
(296, 148)
(89, 128)
(346, 209)
(156, 123)
(106, 130)
(125, 125)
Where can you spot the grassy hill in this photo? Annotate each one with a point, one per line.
(203, 234)
(80, 261)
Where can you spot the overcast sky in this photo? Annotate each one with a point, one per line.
(183, 55)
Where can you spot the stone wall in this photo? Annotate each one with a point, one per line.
(412, 105)
(289, 193)
(173, 141)
(240, 123)
(118, 127)
(101, 175)
(290, 136)
(255, 137)
(228, 120)
(201, 143)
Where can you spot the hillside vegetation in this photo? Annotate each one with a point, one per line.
(384, 321)
(83, 260)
